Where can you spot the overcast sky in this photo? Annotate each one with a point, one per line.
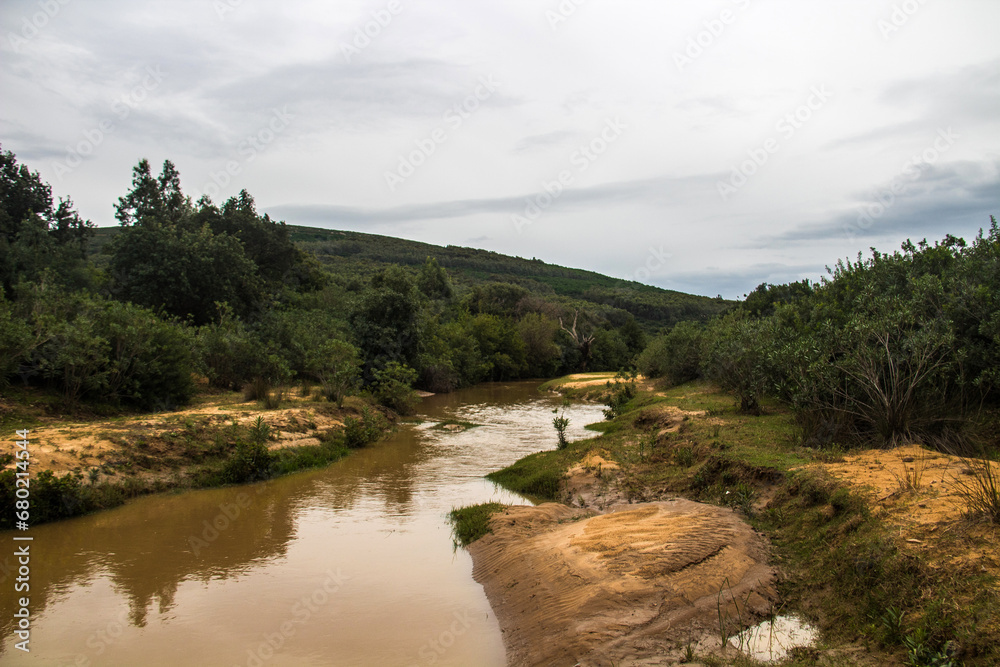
(701, 146)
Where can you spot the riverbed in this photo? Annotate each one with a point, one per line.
(350, 565)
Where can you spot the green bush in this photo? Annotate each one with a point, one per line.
(677, 356)
(251, 460)
(621, 391)
(364, 431)
(393, 388)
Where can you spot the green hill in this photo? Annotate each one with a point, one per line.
(356, 255)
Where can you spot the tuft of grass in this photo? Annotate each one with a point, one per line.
(911, 477)
(981, 491)
(473, 522)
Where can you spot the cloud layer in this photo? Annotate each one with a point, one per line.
(751, 141)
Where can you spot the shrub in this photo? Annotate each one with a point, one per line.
(393, 387)
(364, 431)
(251, 461)
(561, 423)
(675, 357)
(622, 390)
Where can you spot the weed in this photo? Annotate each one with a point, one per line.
(561, 423)
(982, 491)
(741, 498)
(911, 478)
(473, 522)
(688, 653)
(684, 457)
(920, 654)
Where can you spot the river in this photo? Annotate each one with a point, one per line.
(350, 565)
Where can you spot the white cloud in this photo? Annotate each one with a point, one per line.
(655, 186)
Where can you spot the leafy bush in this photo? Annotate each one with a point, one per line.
(393, 387)
(251, 460)
(364, 431)
(677, 356)
(621, 391)
(561, 423)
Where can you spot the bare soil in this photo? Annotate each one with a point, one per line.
(164, 444)
(918, 493)
(633, 586)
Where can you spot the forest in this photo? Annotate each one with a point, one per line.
(126, 317)
(893, 348)
(889, 348)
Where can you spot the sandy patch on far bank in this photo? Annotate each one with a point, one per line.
(631, 586)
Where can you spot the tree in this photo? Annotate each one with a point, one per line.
(541, 352)
(501, 348)
(384, 320)
(152, 198)
(335, 364)
(433, 281)
(35, 236)
(184, 272)
(582, 341)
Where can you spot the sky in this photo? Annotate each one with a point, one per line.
(705, 146)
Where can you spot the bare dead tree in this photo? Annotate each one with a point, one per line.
(582, 341)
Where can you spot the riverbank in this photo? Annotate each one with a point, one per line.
(85, 462)
(874, 548)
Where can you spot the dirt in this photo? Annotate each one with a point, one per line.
(919, 493)
(632, 586)
(85, 445)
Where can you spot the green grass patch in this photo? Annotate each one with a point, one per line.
(473, 522)
(539, 476)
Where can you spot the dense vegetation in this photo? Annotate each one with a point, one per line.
(126, 317)
(896, 347)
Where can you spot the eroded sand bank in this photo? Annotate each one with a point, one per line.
(632, 586)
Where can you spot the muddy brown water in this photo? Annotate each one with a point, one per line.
(350, 565)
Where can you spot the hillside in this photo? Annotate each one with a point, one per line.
(358, 255)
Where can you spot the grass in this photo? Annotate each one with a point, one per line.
(473, 522)
(539, 476)
(981, 491)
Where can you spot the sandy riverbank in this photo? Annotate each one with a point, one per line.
(632, 586)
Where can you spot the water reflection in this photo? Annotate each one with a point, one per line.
(213, 573)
